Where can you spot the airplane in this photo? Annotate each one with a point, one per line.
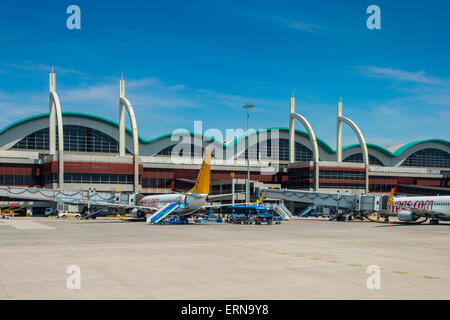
(182, 203)
(409, 209)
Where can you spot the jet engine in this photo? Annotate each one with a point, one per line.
(406, 215)
(136, 213)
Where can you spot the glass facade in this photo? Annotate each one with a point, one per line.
(302, 153)
(428, 158)
(342, 174)
(328, 178)
(12, 174)
(76, 138)
(168, 151)
(358, 158)
(157, 183)
(158, 178)
(97, 178)
(301, 178)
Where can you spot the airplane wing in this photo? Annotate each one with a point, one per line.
(227, 205)
(108, 205)
(240, 204)
(417, 211)
(224, 195)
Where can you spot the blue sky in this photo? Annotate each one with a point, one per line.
(202, 60)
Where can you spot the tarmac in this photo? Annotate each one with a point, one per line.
(43, 258)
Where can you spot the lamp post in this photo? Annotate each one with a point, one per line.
(247, 191)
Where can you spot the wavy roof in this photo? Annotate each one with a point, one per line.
(398, 150)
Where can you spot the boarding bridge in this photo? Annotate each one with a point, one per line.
(66, 196)
(163, 212)
(351, 202)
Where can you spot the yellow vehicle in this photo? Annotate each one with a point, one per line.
(69, 214)
(7, 213)
(10, 212)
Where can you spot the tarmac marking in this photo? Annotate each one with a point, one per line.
(399, 272)
(355, 240)
(312, 258)
(26, 225)
(429, 277)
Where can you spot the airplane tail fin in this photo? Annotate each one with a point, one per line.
(391, 197)
(204, 176)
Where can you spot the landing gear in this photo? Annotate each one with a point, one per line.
(434, 221)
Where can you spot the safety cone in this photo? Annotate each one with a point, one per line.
(78, 221)
(389, 224)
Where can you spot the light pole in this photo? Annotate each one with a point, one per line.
(247, 191)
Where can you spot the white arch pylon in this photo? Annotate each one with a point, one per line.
(124, 103)
(312, 139)
(55, 118)
(359, 135)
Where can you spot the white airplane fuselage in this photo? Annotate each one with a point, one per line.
(179, 203)
(438, 205)
(188, 203)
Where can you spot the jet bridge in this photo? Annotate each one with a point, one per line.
(350, 202)
(66, 196)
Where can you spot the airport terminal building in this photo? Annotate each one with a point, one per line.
(91, 160)
(101, 153)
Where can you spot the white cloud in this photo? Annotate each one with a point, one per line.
(401, 75)
(14, 107)
(37, 67)
(283, 21)
(420, 111)
(297, 25)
